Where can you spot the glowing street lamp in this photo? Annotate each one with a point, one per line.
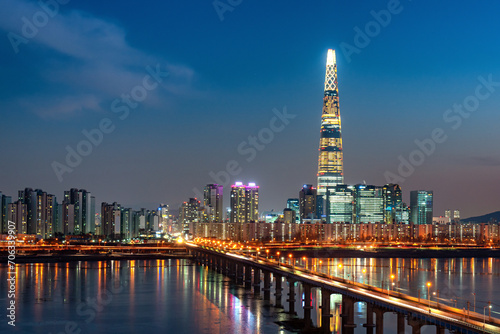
(267, 253)
(428, 294)
(484, 313)
(278, 255)
(392, 283)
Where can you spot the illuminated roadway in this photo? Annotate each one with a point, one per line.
(441, 315)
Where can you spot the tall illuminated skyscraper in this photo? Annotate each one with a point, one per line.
(330, 162)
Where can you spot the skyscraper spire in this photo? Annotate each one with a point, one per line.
(330, 162)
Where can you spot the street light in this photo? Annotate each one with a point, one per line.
(267, 253)
(484, 313)
(278, 255)
(392, 283)
(291, 260)
(428, 294)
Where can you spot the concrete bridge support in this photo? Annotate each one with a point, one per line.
(248, 277)
(348, 324)
(325, 310)
(401, 323)
(239, 273)
(439, 330)
(291, 296)
(416, 325)
(279, 289)
(256, 280)
(267, 285)
(369, 319)
(379, 322)
(307, 306)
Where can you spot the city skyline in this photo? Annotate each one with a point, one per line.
(396, 91)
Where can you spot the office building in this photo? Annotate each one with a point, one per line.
(307, 202)
(421, 204)
(392, 200)
(340, 202)
(369, 204)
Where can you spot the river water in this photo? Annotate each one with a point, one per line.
(178, 296)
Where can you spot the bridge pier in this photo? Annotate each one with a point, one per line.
(256, 281)
(267, 285)
(239, 273)
(248, 277)
(232, 270)
(416, 325)
(348, 324)
(401, 323)
(325, 310)
(369, 319)
(439, 329)
(291, 295)
(279, 289)
(379, 322)
(209, 262)
(218, 264)
(307, 306)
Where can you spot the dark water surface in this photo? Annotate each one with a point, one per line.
(177, 296)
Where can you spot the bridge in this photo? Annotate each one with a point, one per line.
(415, 312)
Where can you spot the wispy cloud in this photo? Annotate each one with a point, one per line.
(91, 61)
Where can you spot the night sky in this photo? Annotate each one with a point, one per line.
(230, 71)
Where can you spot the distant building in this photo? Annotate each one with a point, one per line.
(111, 220)
(307, 201)
(421, 205)
(212, 201)
(340, 204)
(403, 213)
(189, 214)
(83, 210)
(289, 216)
(369, 204)
(244, 203)
(392, 200)
(41, 212)
(4, 211)
(294, 204)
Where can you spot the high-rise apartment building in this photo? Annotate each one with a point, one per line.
(421, 204)
(244, 203)
(212, 201)
(83, 210)
(330, 161)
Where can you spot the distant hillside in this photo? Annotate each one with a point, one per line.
(484, 218)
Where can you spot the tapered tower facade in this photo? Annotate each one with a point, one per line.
(330, 162)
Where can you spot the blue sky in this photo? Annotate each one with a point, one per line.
(226, 77)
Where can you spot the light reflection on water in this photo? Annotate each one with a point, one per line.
(175, 296)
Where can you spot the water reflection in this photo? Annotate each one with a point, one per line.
(176, 296)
